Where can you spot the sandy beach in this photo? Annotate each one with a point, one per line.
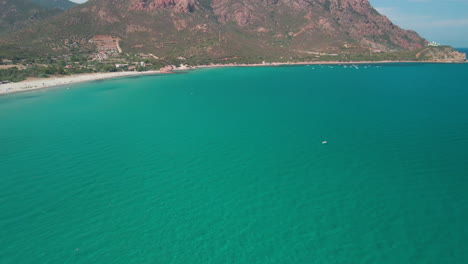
(41, 83)
(316, 63)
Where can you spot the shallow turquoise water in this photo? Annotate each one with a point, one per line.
(228, 166)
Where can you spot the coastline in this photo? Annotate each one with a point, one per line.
(43, 83)
(271, 64)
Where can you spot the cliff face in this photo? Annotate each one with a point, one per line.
(371, 28)
(355, 18)
(224, 28)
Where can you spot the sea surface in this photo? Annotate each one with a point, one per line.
(229, 165)
(464, 50)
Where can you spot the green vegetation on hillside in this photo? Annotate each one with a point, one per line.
(59, 4)
(17, 14)
(212, 30)
(140, 35)
(33, 66)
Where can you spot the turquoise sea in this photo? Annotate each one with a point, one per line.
(227, 165)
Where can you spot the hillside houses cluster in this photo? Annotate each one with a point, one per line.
(106, 45)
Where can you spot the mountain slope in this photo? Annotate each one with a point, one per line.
(222, 28)
(59, 4)
(15, 14)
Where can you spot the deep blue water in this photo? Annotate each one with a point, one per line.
(465, 50)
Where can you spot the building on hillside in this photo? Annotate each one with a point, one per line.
(101, 56)
(106, 43)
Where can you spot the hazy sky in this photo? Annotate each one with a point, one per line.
(443, 21)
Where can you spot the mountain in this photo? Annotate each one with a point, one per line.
(221, 29)
(51, 4)
(15, 14)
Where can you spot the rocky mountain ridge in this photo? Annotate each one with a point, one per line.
(177, 5)
(223, 28)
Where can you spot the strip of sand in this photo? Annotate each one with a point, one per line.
(318, 63)
(41, 83)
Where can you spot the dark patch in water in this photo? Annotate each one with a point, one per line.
(15, 97)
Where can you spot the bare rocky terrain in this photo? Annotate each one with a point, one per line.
(222, 29)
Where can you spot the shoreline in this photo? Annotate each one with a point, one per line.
(43, 83)
(272, 64)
